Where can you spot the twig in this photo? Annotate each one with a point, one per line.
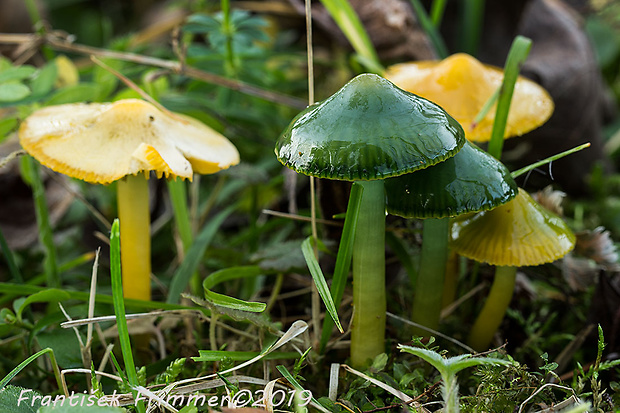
(300, 217)
(433, 332)
(56, 41)
(13, 155)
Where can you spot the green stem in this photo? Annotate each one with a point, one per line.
(450, 393)
(550, 159)
(178, 196)
(369, 300)
(135, 222)
(343, 260)
(31, 171)
(16, 275)
(494, 309)
(117, 276)
(516, 56)
(430, 29)
(429, 286)
(33, 12)
(437, 10)
(473, 20)
(227, 27)
(348, 21)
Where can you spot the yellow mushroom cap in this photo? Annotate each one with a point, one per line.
(461, 85)
(518, 233)
(103, 142)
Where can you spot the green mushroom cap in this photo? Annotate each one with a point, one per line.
(370, 129)
(471, 181)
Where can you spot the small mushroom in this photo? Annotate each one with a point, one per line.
(518, 233)
(462, 85)
(107, 142)
(368, 131)
(470, 181)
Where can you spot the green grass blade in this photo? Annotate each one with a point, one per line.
(10, 260)
(45, 296)
(40, 279)
(24, 289)
(227, 274)
(343, 259)
(350, 24)
(194, 254)
(518, 53)
(473, 16)
(437, 10)
(178, 196)
(550, 159)
(430, 29)
(119, 308)
(29, 360)
(31, 173)
(288, 376)
(234, 303)
(486, 107)
(319, 280)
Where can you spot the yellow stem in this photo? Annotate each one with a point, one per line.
(135, 220)
(494, 309)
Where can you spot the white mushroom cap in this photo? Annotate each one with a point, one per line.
(103, 142)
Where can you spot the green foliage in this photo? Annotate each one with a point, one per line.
(233, 248)
(11, 400)
(448, 368)
(244, 29)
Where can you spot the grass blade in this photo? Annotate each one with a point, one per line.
(319, 280)
(437, 10)
(550, 159)
(486, 108)
(119, 308)
(232, 273)
(194, 254)
(473, 16)
(518, 53)
(24, 289)
(343, 259)
(10, 260)
(288, 376)
(29, 360)
(178, 197)
(350, 24)
(430, 29)
(30, 171)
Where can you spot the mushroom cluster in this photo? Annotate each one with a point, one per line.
(118, 142)
(366, 132)
(462, 85)
(471, 181)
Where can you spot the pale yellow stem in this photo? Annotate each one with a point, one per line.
(135, 220)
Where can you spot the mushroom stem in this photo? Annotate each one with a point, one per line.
(369, 305)
(430, 283)
(494, 308)
(135, 221)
